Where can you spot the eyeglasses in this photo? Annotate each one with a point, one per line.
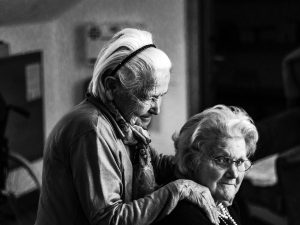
(150, 101)
(224, 162)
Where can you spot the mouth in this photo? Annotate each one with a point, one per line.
(229, 183)
(146, 118)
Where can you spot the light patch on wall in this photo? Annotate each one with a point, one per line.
(33, 82)
(96, 35)
(19, 182)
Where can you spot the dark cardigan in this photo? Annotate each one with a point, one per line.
(187, 213)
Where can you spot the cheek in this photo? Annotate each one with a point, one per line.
(126, 106)
(141, 109)
(240, 179)
(133, 111)
(214, 177)
(209, 177)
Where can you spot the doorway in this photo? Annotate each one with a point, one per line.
(241, 46)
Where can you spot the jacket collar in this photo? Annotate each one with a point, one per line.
(100, 105)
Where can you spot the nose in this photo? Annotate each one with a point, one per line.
(155, 107)
(233, 171)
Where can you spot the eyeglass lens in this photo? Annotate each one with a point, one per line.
(225, 162)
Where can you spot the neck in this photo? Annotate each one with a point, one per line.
(224, 215)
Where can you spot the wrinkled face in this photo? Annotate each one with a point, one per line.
(223, 183)
(140, 112)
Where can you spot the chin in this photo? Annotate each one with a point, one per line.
(225, 201)
(225, 197)
(144, 123)
(228, 202)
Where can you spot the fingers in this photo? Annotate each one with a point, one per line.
(199, 195)
(209, 207)
(210, 214)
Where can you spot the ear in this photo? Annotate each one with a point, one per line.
(111, 85)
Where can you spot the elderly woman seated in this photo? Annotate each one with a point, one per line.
(213, 149)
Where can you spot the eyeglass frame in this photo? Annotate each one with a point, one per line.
(230, 162)
(150, 101)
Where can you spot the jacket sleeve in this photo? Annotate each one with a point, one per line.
(97, 176)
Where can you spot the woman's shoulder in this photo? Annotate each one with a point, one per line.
(84, 119)
(185, 213)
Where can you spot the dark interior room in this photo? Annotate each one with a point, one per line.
(249, 57)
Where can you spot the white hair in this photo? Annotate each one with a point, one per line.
(210, 130)
(136, 74)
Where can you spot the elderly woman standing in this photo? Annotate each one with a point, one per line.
(98, 165)
(213, 149)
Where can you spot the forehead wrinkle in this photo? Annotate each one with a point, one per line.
(155, 90)
(227, 150)
(155, 85)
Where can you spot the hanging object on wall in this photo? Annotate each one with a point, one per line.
(33, 81)
(96, 35)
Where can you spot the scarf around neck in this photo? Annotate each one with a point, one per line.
(138, 140)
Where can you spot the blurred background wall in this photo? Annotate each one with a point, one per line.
(65, 69)
(62, 40)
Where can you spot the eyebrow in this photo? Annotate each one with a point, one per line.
(157, 95)
(226, 154)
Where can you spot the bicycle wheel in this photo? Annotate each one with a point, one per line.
(20, 182)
